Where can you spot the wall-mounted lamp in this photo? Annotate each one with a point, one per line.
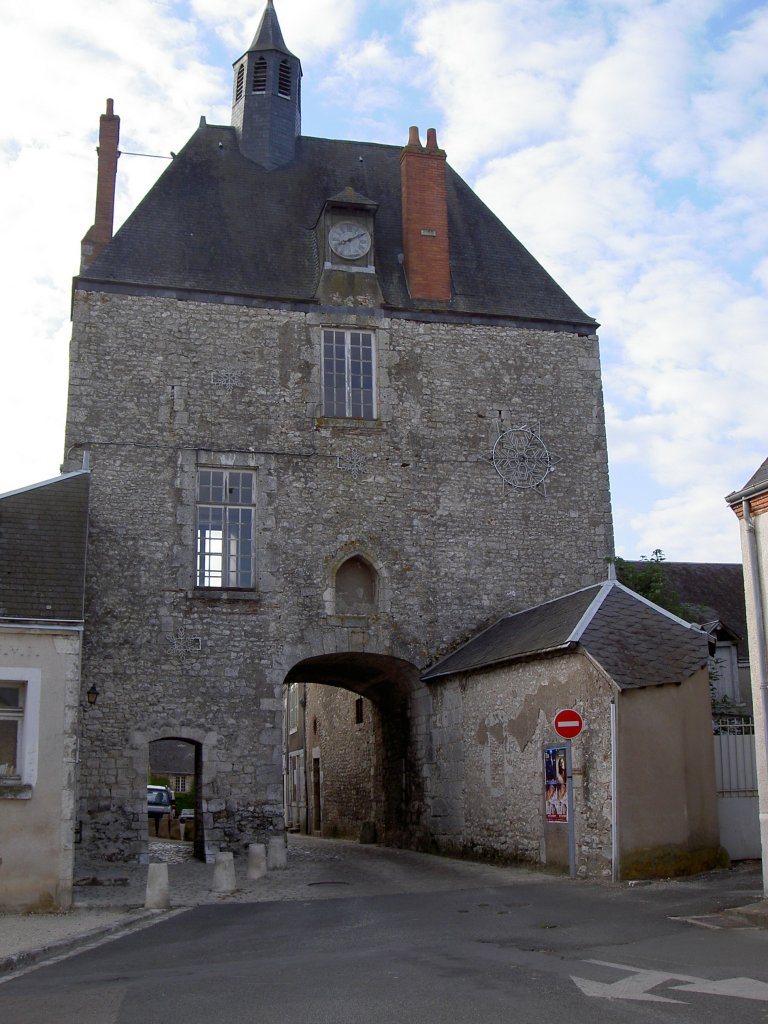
(92, 695)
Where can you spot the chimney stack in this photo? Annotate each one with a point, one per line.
(425, 219)
(100, 233)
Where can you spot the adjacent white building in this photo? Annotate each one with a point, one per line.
(750, 505)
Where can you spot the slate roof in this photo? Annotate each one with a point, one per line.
(269, 35)
(636, 643)
(216, 222)
(711, 591)
(757, 482)
(43, 532)
(171, 757)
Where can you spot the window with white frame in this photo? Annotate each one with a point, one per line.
(349, 372)
(225, 528)
(12, 701)
(180, 783)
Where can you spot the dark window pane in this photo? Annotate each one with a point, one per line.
(10, 696)
(9, 733)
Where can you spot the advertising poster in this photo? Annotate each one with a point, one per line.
(556, 785)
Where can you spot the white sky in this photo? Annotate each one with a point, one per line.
(625, 143)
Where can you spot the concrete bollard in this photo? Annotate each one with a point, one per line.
(277, 853)
(224, 873)
(158, 896)
(257, 861)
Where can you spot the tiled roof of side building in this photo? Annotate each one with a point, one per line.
(638, 645)
(216, 222)
(43, 532)
(633, 641)
(535, 630)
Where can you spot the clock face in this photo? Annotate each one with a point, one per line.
(349, 240)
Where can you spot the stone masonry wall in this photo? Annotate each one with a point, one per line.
(160, 386)
(348, 763)
(486, 769)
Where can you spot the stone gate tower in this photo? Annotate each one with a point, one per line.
(337, 417)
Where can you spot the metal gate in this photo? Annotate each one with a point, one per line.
(736, 775)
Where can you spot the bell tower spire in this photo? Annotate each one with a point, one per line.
(266, 98)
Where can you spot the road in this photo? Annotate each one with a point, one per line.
(533, 949)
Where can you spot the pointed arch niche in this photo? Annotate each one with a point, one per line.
(356, 589)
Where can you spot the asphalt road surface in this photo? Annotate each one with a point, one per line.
(534, 949)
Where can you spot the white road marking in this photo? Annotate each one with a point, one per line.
(637, 986)
(634, 987)
(740, 988)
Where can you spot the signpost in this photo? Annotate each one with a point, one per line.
(568, 724)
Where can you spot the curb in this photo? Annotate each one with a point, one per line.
(27, 957)
(755, 914)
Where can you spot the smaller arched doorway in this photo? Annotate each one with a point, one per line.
(350, 767)
(176, 762)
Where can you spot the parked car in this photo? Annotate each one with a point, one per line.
(188, 814)
(160, 801)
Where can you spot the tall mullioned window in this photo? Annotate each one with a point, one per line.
(225, 528)
(349, 374)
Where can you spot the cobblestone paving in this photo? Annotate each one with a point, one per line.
(317, 869)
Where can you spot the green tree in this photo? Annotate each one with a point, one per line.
(648, 580)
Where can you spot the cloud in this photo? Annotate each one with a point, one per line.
(500, 72)
(367, 75)
(151, 63)
(624, 144)
(310, 27)
(636, 175)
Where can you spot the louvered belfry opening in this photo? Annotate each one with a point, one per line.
(260, 75)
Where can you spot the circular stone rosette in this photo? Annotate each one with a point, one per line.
(521, 458)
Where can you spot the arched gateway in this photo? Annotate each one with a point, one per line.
(367, 783)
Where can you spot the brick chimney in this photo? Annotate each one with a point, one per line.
(100, 233)
(425, 218)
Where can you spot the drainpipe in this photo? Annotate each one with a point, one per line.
(761, 741)
(614, 797)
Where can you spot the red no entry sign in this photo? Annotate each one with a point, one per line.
(568, 723)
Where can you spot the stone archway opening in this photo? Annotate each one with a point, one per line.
(177, 762)
(350, 765)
